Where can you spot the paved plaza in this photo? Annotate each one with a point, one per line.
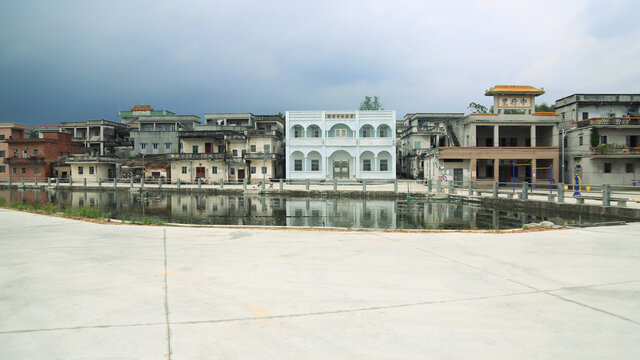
(81, 290)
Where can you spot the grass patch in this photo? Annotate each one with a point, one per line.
(84, 212)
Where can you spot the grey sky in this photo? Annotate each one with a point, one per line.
(79, 60)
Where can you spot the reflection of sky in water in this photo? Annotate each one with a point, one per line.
(283, 211)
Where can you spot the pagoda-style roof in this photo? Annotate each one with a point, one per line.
(513, 90)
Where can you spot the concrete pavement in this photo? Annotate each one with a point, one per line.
(77, 290)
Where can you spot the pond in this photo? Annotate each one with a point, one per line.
(297, 211)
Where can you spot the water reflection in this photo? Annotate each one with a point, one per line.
(284, 211)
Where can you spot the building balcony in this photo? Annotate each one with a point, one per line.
(199, 156)
(88, 158)
(305, 141)
(614, 152)
(264, 133)
(609, 122)
(334, 141)
(498, 152)
(262, 156)
(25, 161)
(375, 141)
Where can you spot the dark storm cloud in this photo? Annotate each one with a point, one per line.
(78, 60)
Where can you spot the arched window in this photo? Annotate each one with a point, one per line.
(384, 131)
(366, 131)
(313, 131)
(297, 131)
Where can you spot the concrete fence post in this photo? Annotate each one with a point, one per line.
(99, 182)
(142, 183)
(159, 183)
(525, 191)
(438, 186)
(70, 182)
(199, 183)
(244, 184)
(495, 189)
(606, 195)
(335, 184)
(470, 187)
(429, 184)
(221, 184)
(262, 184)
(307, 184)
(9, 181)
(131, 183)
(364, 185)
(36, 181)
(22, 182)
(115, 183)
(178, 183)
(560, 192)
(48, 181)
(84, 183)
(451, 187)
(57, 182)
(281, 184)
(395, 185)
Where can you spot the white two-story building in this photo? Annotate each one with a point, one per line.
(341, 144)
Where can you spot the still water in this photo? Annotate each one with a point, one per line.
(295, 211)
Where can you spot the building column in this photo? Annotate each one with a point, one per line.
(473, 165)
(496, 135)
(533, 136)
(496, 169)
(375, 166)
(304, 164)
(101, 140)
(534, 177)
(356, 164)
(472, 135)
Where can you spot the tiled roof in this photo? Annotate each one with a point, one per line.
(142, 108)
(513, 89)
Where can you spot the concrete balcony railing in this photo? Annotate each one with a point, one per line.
(305, 141)
(25, 160)
(376, 141)
(333, 141)
(198, 156)
(261, 156)
(608, 121)
(615, 152)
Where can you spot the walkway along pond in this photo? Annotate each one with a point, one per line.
(275, 210)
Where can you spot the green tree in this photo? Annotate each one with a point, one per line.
(33, 134)
(545, 108)
(477, 108)
(595, 138)
(369, 104)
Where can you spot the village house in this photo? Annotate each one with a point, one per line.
(353, 144)
(601, 135)
(33, 158)
(8, 131)
(514, 143)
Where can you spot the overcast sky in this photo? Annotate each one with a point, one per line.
(80, 60)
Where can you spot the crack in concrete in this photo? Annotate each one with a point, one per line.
(339, 311)
(166, 294)
(547, 292)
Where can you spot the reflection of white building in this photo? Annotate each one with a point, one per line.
(341, 144)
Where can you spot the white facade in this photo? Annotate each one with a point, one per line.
(341, 144)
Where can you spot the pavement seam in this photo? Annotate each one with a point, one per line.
(547, 292)
(330, 312)
(166, 294)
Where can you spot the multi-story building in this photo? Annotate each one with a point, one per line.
(156, 131)
(601, 138)
(230, 147)
(515, 143)
(8, 131)
(88, 164)
(341, 144)
(33, 158)
(104, 137)
(422, 133)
